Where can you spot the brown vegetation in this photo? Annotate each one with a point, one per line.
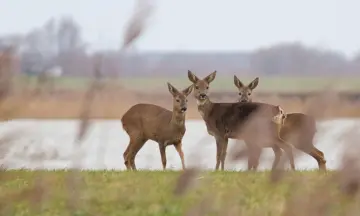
(112, 103)
(87, 193)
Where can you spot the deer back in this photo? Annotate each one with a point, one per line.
(299, 124)
(146, 118)
(228, 119)
(157, 123)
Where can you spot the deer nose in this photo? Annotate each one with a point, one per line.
(202, 95)
(183, 109)
(243, 100)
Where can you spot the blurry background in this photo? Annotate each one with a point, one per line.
(306, 54)
(296, 48)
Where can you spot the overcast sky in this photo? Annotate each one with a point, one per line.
(200, 24)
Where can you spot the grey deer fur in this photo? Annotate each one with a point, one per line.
(228, 120)
(298, 128)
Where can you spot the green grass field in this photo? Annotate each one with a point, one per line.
(152, 193)
(279, 84)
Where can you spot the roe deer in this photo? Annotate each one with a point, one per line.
(297, 128)
(143, 122)
(226, 120)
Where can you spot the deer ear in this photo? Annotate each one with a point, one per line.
(188, 90)
(254, 83)
(210, 77)
(237, 82)
(192, 77)
(172, 89)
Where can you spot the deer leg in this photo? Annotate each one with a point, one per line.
(250, 158)
(250, 163)
(278, 153)
(319, 157)
(223, 152)
(319, 152)
(288, 150)
(162, 149)
(126, 162)
(218, 152)
(255, 155)
(126, 154)
(322, 164)
(133, 152)
(306, 145)
(178, 148)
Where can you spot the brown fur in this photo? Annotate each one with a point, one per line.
(228, 120)
(298, 128)
(144, 122)
(245, 91)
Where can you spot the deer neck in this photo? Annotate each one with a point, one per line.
(204, 107)
(177, 119)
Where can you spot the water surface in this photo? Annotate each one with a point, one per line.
(51, 144)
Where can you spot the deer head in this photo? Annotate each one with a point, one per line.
(245, 91)
(201, 86)
(179, 98)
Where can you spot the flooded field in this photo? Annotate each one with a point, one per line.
(47, 144)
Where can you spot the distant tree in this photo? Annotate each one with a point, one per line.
(69, 36)
(295, 58)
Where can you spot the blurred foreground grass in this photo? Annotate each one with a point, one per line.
(152, 193)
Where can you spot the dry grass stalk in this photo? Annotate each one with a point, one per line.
(256, 121)
(6, 84)
(185, 181)
(73, 179)
(320, 200)
(297, 128)
(201, 209)
(34, 195)
(136, 24)
(349, 170)
(301, 203)
(133, 31)
(88, 100)
(324, 105)
(310, 203)
(6, 72)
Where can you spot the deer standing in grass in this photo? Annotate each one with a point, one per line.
(143, 122)
(228, 120)
(298, 128)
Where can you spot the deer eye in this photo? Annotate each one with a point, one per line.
(177, 100)
(186, 100)
(249, 94)
(197, 87)
(240, 94)
(207, 87)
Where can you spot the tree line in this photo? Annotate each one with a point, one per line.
(59, 42)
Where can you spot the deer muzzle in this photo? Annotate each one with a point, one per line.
(243, 100)
(202, 96)
(183, 109)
